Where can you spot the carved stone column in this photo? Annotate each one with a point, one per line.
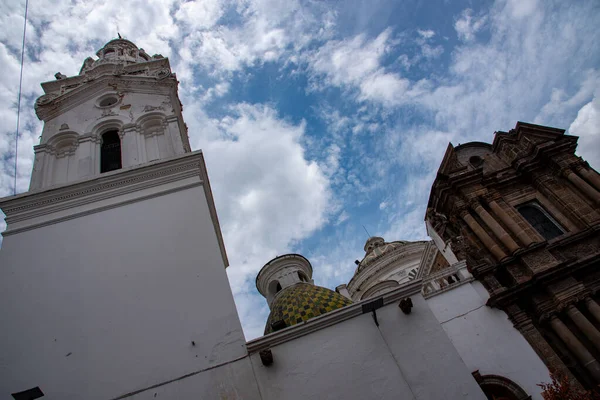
(509, 222)
(593, 307)
(576, 347)
(582, 185)
(584, 325)
(522, 322)
(589, 174)
(488, 242)
(508, 241)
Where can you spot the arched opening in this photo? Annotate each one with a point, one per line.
(540, 220)
(496, 387)
(110, 151)
(302, 276)
(109, 53)
(274, 288)
(476, 161)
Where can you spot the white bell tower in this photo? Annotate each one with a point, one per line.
(112, 266)
(121, 111)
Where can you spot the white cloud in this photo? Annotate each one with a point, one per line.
(268, 194)
(268, 30)
(200, 14)
(467, 26)
(342, 217)
(587, 127)
(426, 34)
(350, 61)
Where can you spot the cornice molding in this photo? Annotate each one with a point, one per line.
(331, 318)
(47, 206)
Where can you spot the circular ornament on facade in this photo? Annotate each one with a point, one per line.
(108, 100)
(163, 73)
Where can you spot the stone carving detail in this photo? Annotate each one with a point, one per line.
(152, 108)
(519, 273)
(492, 284)
(108, 113)
(539, 260)
(579, 250)
(459, 248)
(163, 73)
(45, 99)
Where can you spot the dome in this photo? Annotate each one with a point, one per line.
(302, 301)
(117, 51)
(376, 247)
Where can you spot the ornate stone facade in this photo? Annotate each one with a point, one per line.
(523, 212)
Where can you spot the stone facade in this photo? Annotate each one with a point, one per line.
(523, 212)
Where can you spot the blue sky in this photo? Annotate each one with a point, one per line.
(318, 118)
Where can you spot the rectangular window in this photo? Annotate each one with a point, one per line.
(540, 220)
(30, 394)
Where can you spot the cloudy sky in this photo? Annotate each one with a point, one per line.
(318, 118)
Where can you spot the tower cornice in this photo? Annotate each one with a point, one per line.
(39, 208)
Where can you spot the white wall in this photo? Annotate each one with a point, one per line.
(485, 338)
(406, 357)
(233, 381)
(108, 303)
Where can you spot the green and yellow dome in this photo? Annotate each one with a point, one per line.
(301, 302)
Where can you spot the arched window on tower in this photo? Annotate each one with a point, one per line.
(302, 276)
(110, 151)
(539, 219)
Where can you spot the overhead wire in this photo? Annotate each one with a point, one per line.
(19, 96)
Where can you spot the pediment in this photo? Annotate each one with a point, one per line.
(51, 105)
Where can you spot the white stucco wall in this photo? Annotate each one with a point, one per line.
(233, 381)
(406, 357)
(485, 338)
(110, 302)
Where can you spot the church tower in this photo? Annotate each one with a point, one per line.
(286, 282)
(112, 267)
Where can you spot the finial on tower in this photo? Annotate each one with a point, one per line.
(119, 35)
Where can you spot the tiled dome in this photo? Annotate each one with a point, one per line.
(302, 301)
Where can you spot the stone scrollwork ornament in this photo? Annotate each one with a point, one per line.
(163, 73)
(458, 246)
(44, 99)
(119, 70)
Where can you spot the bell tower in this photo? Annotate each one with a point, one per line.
(122, 110)
(112, 266)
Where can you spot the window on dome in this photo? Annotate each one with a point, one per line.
(302, 277)
(108, 53)
(278, 289)
(539, 219)
(110, 152)
(476, 161)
